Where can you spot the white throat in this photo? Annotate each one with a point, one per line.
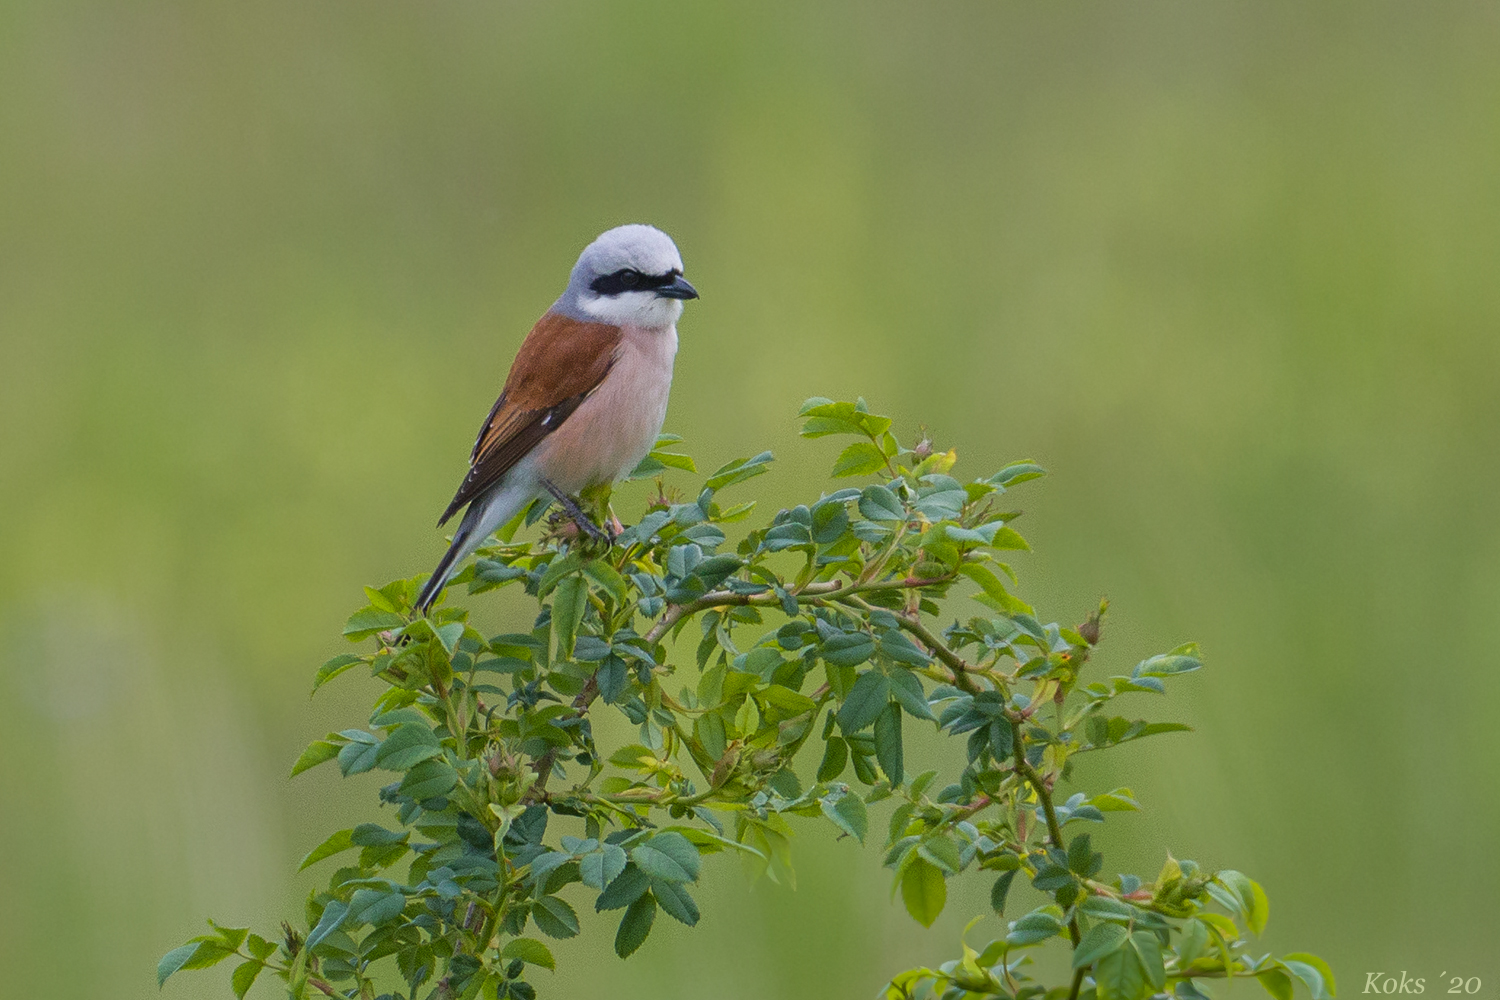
(644, 309)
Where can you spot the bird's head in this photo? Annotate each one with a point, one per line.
(630, 275)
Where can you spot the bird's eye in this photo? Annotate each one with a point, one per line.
(630, 278)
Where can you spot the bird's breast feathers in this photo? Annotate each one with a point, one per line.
(617, 422)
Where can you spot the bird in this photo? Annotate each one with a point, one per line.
(585, 397)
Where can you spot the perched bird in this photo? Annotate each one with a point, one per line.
(586, 395)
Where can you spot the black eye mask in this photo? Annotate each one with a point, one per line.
(630, 280)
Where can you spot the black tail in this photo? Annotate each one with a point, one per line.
(439, 578)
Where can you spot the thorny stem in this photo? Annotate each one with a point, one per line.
(581, 703)
(812, 593)
(1054, 833)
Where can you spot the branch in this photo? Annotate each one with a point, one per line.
(1054, 832)
(538, 790)
(960, 667)
(812, 593)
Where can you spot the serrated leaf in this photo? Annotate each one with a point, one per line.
(859, 459)
(835, 759)
(317, 752)
(375, 907)
(568, 601)
(1100, 940)
(554, 917)
(682, 852)
(244, 977)
(924, 891)
(676, 900)
(602, 867)
(908, 691)
(737, 472)
(1276, 982)
(333, 845)
(865, 701)
(623, 889)
(658, 865)
(409, 744)
(368, 621)
(635, 925)
(334, 667)
(888, 745)
(848, 814)
(1000, 890)
(174, 960)
(1313, 971)
(878, 503)
(332, 918)
(530, 951)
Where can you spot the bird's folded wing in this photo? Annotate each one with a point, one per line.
(561, 361)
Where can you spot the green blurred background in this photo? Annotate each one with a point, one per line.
(1228, 270)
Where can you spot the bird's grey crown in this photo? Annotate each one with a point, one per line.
(641, 248)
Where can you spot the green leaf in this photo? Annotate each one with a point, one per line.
(635, 925)
(1277, 983)
(429, 780)
(1259, 907)
(530, 951)
(365, 623)
(943, 852)
(676, 900)
(1037, 926)
(735, 472)
(374, 907)
(331, 920)
(828, 417)
(1120, 975)
(908, 691)
(317, 752)
(658, 865)
(568, 602)
(603, 867)
(847, 649)
(1313, 971)
(554, 917)
(409, 744)
(878, 503)
(244, 977)
(358, 755)
(1100, 940)
(924, 891)
(1182, 660)
(681, 850)
(1119, 800)
(1000, 890)
(865, 701)
(334, 667)
(605, 576)
(1017, 473)
(859, 459)
(1192, 943)
(260, 947)
(987, 580)
(174, 960)
(333, 845)
(623, 889)
(888, 749)
(848, 814)
(835, 759)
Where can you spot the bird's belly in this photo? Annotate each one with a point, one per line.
(612, 430)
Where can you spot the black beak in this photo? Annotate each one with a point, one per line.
(678, 289)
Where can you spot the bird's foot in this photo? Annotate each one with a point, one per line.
(571, 508)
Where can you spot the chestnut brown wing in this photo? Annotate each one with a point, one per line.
(561, 361)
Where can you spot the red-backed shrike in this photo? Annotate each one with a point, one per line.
(586, 395)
